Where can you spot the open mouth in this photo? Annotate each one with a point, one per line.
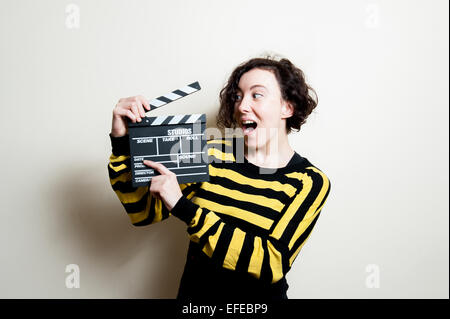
(249, 126)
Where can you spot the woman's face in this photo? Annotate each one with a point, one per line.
(260, 110)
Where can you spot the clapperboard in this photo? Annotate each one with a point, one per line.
(176, 141)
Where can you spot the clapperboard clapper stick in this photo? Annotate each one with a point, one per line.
(176, 141)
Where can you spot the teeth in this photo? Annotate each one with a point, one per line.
(247, 122)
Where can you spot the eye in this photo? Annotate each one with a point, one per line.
(255, 95)
(237, 97)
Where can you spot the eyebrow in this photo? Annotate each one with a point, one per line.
(253, 86)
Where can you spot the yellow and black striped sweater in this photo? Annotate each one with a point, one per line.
(241, 221)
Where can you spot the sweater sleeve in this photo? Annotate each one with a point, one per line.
(269, 257)
(142, 208)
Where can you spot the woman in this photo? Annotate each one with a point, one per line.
(249, 222)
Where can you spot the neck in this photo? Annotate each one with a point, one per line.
(275, 153)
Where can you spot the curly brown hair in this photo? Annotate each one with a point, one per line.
(293, 86)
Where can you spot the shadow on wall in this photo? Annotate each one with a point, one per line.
(125, 261)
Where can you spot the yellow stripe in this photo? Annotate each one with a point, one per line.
(114, 159)
(126, 198)
(275, 261)
(234, 249)
(191, 194)
(291, 260)
(250, 217)
(140, 216)
(158, 211)
(275, 204)
(312, 211)
(125, 177)
(258, 183)
(117, 168)
(293, 208)
(226, 142)
(220, 155)
(212, 241)
(295, 175)
(210, 219)
(255, 265)
(196, 218)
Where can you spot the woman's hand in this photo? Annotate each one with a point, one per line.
(130, 107)
(164, 186)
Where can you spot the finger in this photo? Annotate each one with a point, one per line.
(141, 110)
(125, 113)
(140, 107)
(135, 110)
(154, 193)
(144, 102)
(158, 166)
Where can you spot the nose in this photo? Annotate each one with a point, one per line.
(244, 106)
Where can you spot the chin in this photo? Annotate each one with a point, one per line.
(252, 143)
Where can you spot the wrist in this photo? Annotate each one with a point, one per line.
(117, 134)
(184, 209)
(174, 202)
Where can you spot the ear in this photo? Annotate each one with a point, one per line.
(287, 110)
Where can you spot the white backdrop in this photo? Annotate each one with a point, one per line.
(380, 133)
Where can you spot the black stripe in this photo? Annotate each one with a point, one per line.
(211, 231)
(189, 189)
(195, 85)
(153, 107)
(303, 236)
(113, 174)
(243, 169)
(150, 217)
(284, 251)
(238, 203)
(248, 189)
(152, 119)
(151, 214)
(179, 92)
(127, 162)
(317, 184)
(246, 253)
(243, 224)
(222, 244)
(164, 99)
(184, 119)
(137, 206)
(164, 211)
(202, 118)
(266, 271)
(287, 204)
(124, 187)
(167, 120)
(200, 224)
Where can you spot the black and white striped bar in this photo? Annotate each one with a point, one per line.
(176, 141)
(174, 95)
